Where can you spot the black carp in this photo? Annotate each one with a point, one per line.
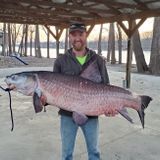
(79, 95)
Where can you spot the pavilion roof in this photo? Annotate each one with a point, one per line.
(63, 12)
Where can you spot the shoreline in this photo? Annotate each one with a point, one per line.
(7, 62)
(11, 62)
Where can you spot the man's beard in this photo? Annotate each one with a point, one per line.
(79, 47)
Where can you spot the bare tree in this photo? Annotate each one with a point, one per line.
(21, 45)
(48, 40)
(15, 31)
(100, 40)
(4, 40)
(9, 39)
(37, 43)
(31, 31)
(66, 41)
(26, 40)
(155, 48)
(111, 45)
(13, 35)
(119, 43)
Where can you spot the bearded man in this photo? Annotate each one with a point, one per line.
(73, 62)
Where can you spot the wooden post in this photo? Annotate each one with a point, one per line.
(4, 40)
(66, 41)
(56, 36)
(129, 63)
(57, 47)
(57, 42)
(48, 42)
(90, 29)
(129, 32)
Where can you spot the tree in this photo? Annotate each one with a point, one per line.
(111, 45)
(9, 39)
(100, 40)
(31, 31)
(48, 40)
(119, 43)
(14, 34)
(66, 41)
(26, 40)
(155, 48)
(37, 43)
(21, 45)
(4, 40)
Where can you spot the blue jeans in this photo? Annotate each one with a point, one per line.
(68, 134)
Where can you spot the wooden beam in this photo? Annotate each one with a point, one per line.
(130, 31)
(129, 63)
(141, 4)
(49, 30)
(124, 27)
(138, 25)
(115, 3)
(59, 32)
(56, 36)
(62, 15)
(60, 6)
(90, 29)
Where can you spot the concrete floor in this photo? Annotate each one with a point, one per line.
(37, 136)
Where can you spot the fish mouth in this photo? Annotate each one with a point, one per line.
(11, 86)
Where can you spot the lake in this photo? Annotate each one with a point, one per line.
(104, 53)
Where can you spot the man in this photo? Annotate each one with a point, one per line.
(72, 63)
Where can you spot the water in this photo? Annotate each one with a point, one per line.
(104, 53)
(124, 56)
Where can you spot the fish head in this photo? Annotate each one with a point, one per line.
(24, 82)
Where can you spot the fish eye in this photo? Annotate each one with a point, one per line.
(14, 77)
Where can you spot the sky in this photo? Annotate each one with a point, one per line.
(147, 26)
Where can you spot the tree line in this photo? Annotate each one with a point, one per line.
(29, 35)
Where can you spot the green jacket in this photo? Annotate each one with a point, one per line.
(68, 64)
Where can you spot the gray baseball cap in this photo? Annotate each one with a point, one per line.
(77, 27)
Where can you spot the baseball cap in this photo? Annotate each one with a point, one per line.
(77, 27)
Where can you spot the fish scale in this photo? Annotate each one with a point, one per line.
(82, 90)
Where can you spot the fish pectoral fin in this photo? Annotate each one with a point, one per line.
(79, 118)
(37, 103)
(91, 72)
(124, 113)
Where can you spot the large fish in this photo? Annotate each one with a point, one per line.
(73, 93)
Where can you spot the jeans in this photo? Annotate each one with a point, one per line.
(68, 134)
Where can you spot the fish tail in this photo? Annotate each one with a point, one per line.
(145, 101)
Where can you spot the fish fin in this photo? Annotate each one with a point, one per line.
(37, 103)
(145, 101)
(125, 114)
(79, 118)
(91, 72)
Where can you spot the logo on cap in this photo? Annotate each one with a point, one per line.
(77, 27)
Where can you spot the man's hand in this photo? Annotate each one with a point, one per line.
(43, 100)
(111, 113)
